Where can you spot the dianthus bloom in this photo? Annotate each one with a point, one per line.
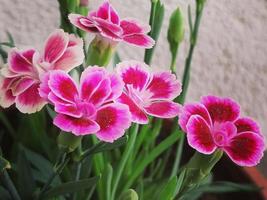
(148, 93)
(20, 79)
(106, 23)
(90, 107)
(214, 123)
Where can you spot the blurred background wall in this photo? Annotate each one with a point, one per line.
(230, 57)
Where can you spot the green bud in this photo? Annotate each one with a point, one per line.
(175, 34)
(176, 27)
(68, 142)
(129, 195)
(100, 51)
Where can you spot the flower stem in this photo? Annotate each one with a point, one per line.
(139, 167)
(125, 157)
(186, 75)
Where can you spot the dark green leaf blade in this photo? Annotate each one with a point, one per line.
(71, 187)
(4, 164)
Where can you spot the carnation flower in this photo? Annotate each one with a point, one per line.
(148, 93)
(90, 107)
(106, 23)
(214, 123)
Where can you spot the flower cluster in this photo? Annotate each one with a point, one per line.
(106, 23)
(20, 80)
(105, 103)
(215, 124)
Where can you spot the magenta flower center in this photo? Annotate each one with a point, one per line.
(141, 98)
(88, 109)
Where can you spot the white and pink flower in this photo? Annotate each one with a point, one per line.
(214, 123)
(20, 79)
(106, 22)
(148, 93)
(88, 108)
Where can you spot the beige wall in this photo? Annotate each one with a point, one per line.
(230, 59)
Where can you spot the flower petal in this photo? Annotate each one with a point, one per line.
(108, 29)
(193, 109)
(55, 46)
(164, 86)
(247, 124)
(134, 73)
(78, 126)
(116, 84)
(113, 120)
(101, 93)
(62, 85)
(163, 109)
(44, 89)
(22, 85)
(68, 109)
(199, 135)
(30, 101)
(107, 12)
(6, 98)
(221, 109)
(139, 40)
(71, 58)
(246, 149)
(132, 26)
(18, 63)
(138, 115)
(90, 79)
(82, 22)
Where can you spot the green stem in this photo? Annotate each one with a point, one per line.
(124, 159)
(178, 156)
(140, 167)
(186, 75)
(10, 186)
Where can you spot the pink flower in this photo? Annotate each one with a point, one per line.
(215, 124)
(106, 22)
(148, 93)
(20, 79)
(90, 107)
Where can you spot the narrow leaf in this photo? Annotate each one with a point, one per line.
(168, 191)
(71, 187)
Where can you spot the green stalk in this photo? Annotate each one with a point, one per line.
(186, 75)
(140, 167)
(125, 157)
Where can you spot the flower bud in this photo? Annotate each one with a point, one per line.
(176, 27)
(175, 34)
(100, 51)
(68, 142)
(129, 195)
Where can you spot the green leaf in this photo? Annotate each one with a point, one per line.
(4, 194)
(104, 146)
(159, 149)
(50, 111)
(71, 187)
(180, 182)
(155, 21)
(26, 184)
(219, 187)
(4, 164)
(43, 166)
(10, 39)
(168, 191)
